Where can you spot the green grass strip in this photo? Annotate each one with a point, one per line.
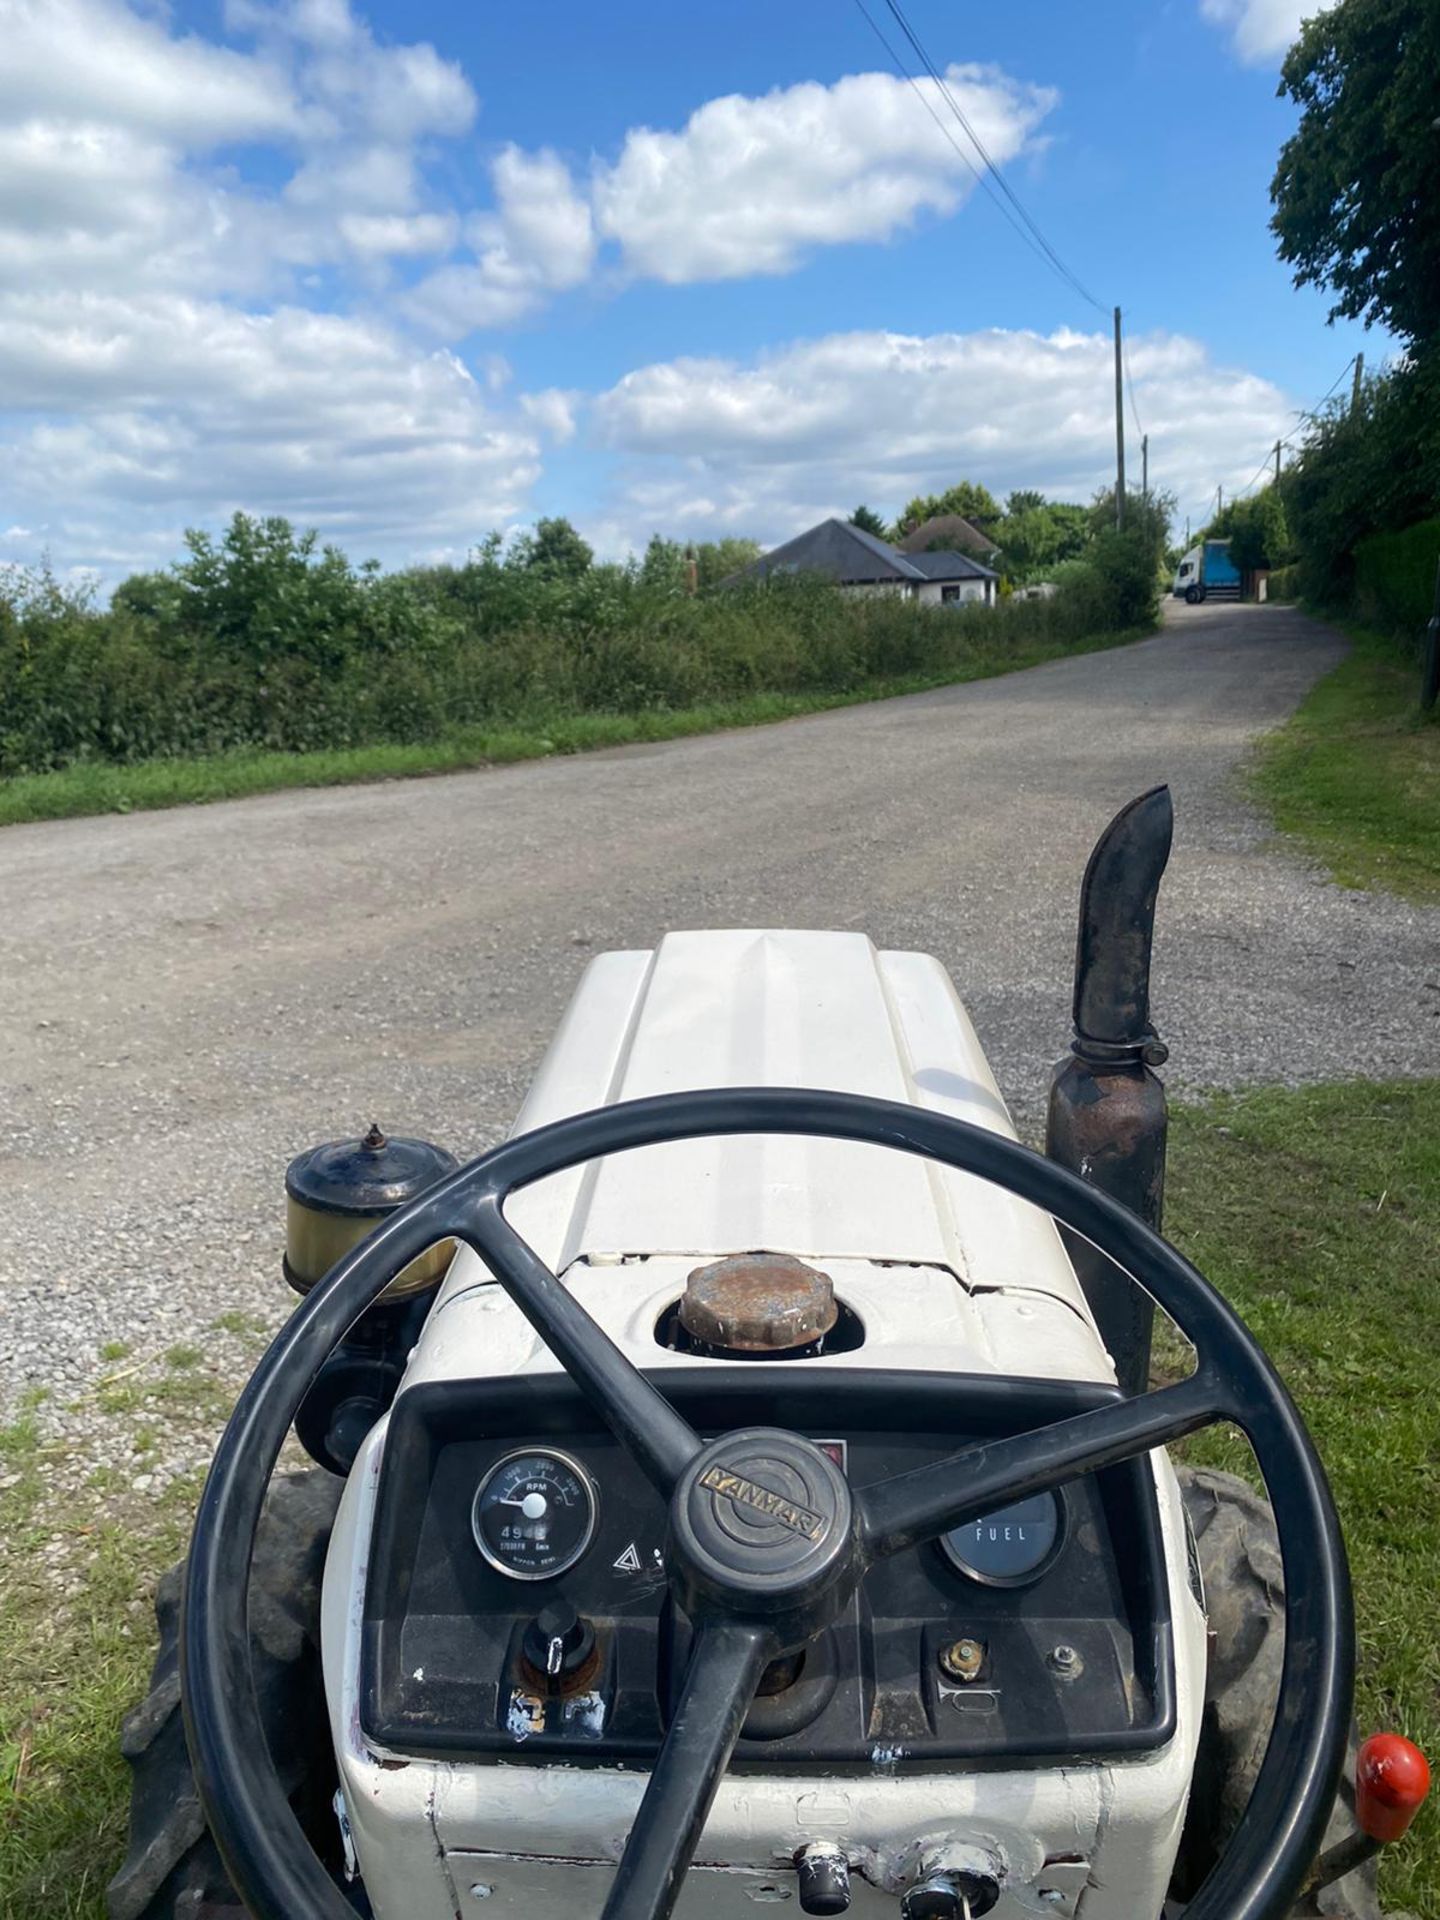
(94, 787)
(1355, 773)
(1317, 1215)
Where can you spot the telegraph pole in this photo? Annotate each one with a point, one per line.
(1145, 468)
(1119, 431)
(1359, 376)
(1277, 462)
(1219, 501)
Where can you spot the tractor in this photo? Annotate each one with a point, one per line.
(746, 1486)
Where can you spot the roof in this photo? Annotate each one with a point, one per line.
(855, 558)
(954, 530)
(949, 566)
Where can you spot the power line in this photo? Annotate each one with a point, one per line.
(976, 175)
(1130, 385)
(1312, 413)
(898, 13)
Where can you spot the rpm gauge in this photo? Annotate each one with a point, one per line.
(534, 1513)
(1012, 1547)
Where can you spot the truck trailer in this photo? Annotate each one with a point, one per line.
(1207, 569)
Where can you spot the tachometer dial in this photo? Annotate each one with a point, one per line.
(534, 1513)
(1012, 1547)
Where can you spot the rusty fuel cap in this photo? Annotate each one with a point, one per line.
(758, 1303)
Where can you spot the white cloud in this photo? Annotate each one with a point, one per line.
(97, 60)
(768, 447)
(152, 414)
(751, 185)
(1262, 29)
(539, 240)
(390, 235)
(553, 412)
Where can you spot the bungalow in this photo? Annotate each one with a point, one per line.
(862, 564)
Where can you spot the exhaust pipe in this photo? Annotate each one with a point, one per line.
(1107, 1117)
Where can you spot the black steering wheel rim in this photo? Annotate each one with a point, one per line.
(1265, 1861)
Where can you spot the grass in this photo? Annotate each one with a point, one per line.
(96, 786)
(1317, 1212)
(1355, 772)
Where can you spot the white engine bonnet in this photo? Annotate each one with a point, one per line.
(785, 1009)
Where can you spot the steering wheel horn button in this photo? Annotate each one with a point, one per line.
(762, 1522)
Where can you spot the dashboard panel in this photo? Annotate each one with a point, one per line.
(513, 1534)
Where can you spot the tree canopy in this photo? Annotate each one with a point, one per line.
(869, 521)
(967, 498)
(1357, 188)
(554, 547)
(1257, 530)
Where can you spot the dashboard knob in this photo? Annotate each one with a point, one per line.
(824, 1875)
(558, 1643)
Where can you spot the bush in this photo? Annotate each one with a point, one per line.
(1395, 577)
(261, 638)
(1283, 583)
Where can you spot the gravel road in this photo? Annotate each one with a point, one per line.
(192, 997)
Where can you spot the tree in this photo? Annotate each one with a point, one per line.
(716, 560)
(869, 521)
(1357, 189)
(554, 548)
(1037, 535)
(1257, 530)
(663, 564)
(967, 498)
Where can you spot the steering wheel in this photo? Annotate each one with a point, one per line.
(747, 1603)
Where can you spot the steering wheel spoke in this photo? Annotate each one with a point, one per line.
(726, 1662)
(991, 1474)
(658, 1439)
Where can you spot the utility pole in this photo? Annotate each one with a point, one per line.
(1219, 501)
(1119, 431)
(1277, 462)
(1187, 529)
(1145, 468)
(1359, 377)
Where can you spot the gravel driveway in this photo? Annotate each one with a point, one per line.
(192, 997)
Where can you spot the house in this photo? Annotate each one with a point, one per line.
(950, 533)
(862, 564)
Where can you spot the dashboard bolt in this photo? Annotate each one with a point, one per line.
(1066, 1662)
(962, 1659)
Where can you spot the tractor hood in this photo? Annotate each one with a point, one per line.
(777, 1009)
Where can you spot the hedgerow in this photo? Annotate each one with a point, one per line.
(263, 638)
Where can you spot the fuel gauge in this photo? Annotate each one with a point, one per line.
(1012, 1547)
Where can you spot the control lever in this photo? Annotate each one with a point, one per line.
(1392, 1779)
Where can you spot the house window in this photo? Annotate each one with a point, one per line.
(949, 595)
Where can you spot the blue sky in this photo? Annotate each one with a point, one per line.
(407, 273)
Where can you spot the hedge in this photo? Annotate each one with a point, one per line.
(1395, 579)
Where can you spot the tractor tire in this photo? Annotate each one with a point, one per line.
(173, 1869)
(1239, 1552)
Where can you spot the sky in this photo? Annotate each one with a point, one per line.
(407, 273)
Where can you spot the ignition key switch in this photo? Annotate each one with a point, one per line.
(951, 1896)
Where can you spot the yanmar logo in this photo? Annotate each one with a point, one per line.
(745, 1493)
